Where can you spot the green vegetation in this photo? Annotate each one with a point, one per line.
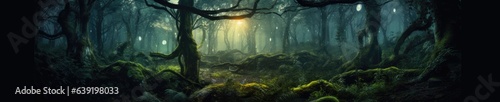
(300, 78)
(327, 99)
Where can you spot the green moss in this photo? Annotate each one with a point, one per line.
(327, 99)
(363, 91)
(175, 68)
(317, 94)
(391, 74)
(132, 70)
(222, 74)
(231, 91)
(317, 85)
(253, 89)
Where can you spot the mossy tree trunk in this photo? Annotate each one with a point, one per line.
(447, 23)
(85, 48)
(445, 60)
(226, 37)
(370, 53)
(189, 50)
(77, 34)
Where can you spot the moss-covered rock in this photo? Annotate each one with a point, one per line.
(327, 99)
(230, 92)
(390, 74)
(134, 71)
(372, 84)
(317, 85)
(123, 74)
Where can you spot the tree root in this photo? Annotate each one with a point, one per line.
(180, 76)
(258, 60)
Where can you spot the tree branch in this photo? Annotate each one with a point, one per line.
(164, 9)
(214, 14)
(323, 3)
(420, 24)
(174, 54)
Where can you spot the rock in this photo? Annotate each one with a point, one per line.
(147, 97)
(327, 99)
(317, 85)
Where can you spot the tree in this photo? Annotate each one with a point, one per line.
(324, 38)
(252, 45)
(288, 17)
(344, 15)
(103, 9)
(187, 48)
(79, 46)
(446, 55)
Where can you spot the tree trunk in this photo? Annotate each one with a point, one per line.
(368, 55)
(75, 46)
(446, 57)
(68, 31)
(447, 16)
(226, 38)
(325, 37)
(252, 46)
(99, 21)
(286, 34)
(85, 48)
(341, 28)
(188, 45)
(211, 38)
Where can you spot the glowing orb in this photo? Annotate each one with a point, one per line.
(164, 42)
(394, 10)
(359, 7)
(140, 38)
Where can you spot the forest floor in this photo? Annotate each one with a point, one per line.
(296, 77)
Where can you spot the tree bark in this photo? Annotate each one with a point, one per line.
(286, 34)
(99, 32)
(324, 40)
(446, 57)
(370, 54)
(341, 27)
(188, 45)
(226, 38)
(78, 46)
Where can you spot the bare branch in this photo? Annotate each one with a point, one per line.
(176, 53)
(164, 9)
(420, 24)
(212, 14)
(323, 3)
